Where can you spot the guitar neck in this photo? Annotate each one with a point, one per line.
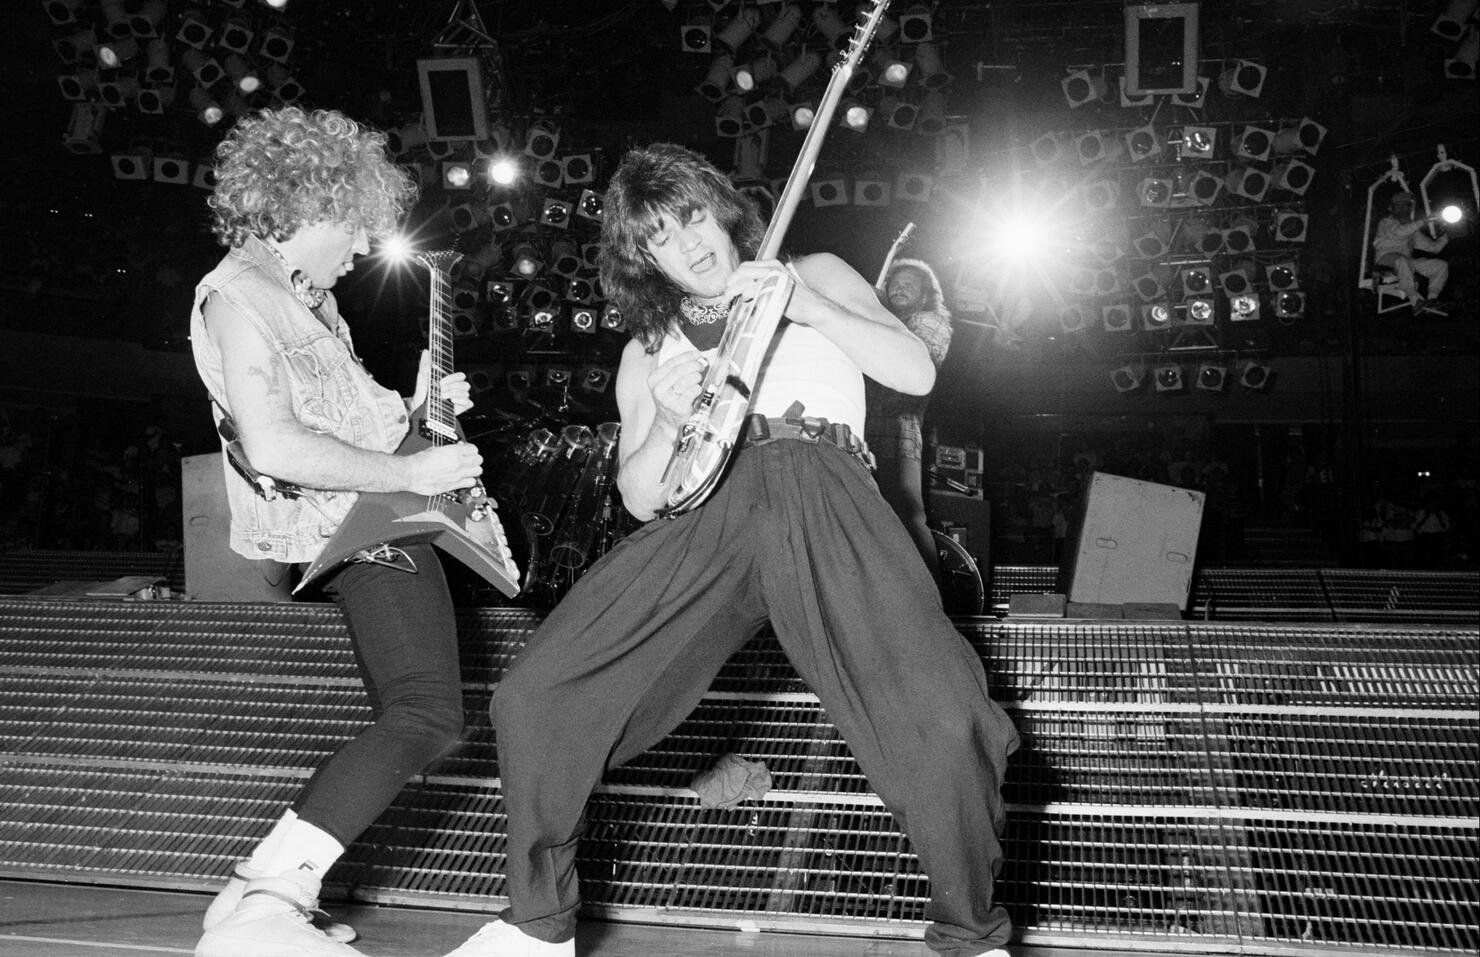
(801, 170)
(439, 337)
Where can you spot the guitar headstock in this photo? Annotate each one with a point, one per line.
(863, 32)
(439, 260)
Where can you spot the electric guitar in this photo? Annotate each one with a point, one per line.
(708, 438)
(464, 523)
(899, 241)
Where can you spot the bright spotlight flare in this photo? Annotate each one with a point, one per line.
(1451, 214)
(397, 249)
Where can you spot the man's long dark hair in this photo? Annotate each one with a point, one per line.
(660, 180)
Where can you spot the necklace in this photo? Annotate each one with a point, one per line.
(303, 288)
(703, 313)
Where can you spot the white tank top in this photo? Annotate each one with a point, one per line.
(802, 366)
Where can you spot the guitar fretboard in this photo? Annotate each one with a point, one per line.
(439, 417)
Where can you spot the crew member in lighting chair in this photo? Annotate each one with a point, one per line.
(1399, 235)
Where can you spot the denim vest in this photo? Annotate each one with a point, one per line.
(332, 394)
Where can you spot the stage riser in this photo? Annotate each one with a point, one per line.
(1247, 788)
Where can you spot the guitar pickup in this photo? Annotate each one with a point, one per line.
(437, 430)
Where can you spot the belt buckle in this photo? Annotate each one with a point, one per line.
(811, 429)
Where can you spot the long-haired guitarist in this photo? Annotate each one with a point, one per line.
(299, 195)
(795, 533)
(895, 420)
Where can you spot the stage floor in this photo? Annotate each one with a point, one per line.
(39, 919)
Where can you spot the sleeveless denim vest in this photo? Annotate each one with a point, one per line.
(332, 394)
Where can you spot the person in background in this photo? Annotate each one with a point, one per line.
(1399, 235)
(893, 428)
(298, 197)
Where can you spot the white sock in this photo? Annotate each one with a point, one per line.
(294, 845)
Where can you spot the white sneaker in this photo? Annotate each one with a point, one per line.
(229, 896)
(274, 918)
(502, 939)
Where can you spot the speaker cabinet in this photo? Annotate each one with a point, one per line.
(213, 572)
(1135, 543)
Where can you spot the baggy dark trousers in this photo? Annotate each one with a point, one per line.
(798, 534)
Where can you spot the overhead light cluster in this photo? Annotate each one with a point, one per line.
(131, 68)
(769, 63)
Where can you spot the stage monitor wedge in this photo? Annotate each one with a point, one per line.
(1161, 48)
(453, 101)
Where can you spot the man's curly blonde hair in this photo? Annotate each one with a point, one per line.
(280, 170)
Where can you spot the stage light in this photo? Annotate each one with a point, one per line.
(1237, 281)
(1204, 187)
(115, 54)
(542, 320)
(1289, 305)
(118, 92)
(739, 29)
(1196, 280)
(915, 24)
(1155, 193)
(1282, 276)
(73, 48)
(63, 13)
(1198, 142)
(870, 191)
(243, 75)
(612, 319)
(1244, 78)
(538, 296)
(750, 75)
(205, 69)
(1100, 195)
(1116, 317)
(79, 86)
(1127, 378)
(1097, 148)
(695, 36)
(1107, 282)
(527, 260)
(236, 35)
(1243, 307)
(205, 176)
(1129, 101)
(1253, 143)
(595, 379)
(785, 23)
(1461, 66)
(889, 70)
(1255, 375)
(206, 109)
(929, 67)
(580, 291)
(1071, 319)
(194, 31)
(1193, 101)
(829, 192)
(854, 116)
(503, 172)
(1454, 19)
(556, 213)
(1211, 242)
(826, 21)
(583, 320)
(1212, 377)
(1081, 87)
(577, 168)
(1239, 238)
(1248, 182)
(911, 187)
(1142, 143)
(565, 257)
(1082, 281)
(283, 84)
(468, 216)
(1156, 316)
(1198, 311)
(133, 165)
(542, 139)
(1169, 377)
(1047, 149)
(898, 113)
(1294, 176)
(1290, 227)
(716, 82)
(591, 205)
(1154, 243)
(729, 119)
(799, 70)
(277, 43)
(171, 170)
(1305, 136)
(1152, 284)
(931, 120)
(547, 173)
(802, 114)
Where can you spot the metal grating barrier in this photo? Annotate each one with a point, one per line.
(1235, 788)
(26, 571)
